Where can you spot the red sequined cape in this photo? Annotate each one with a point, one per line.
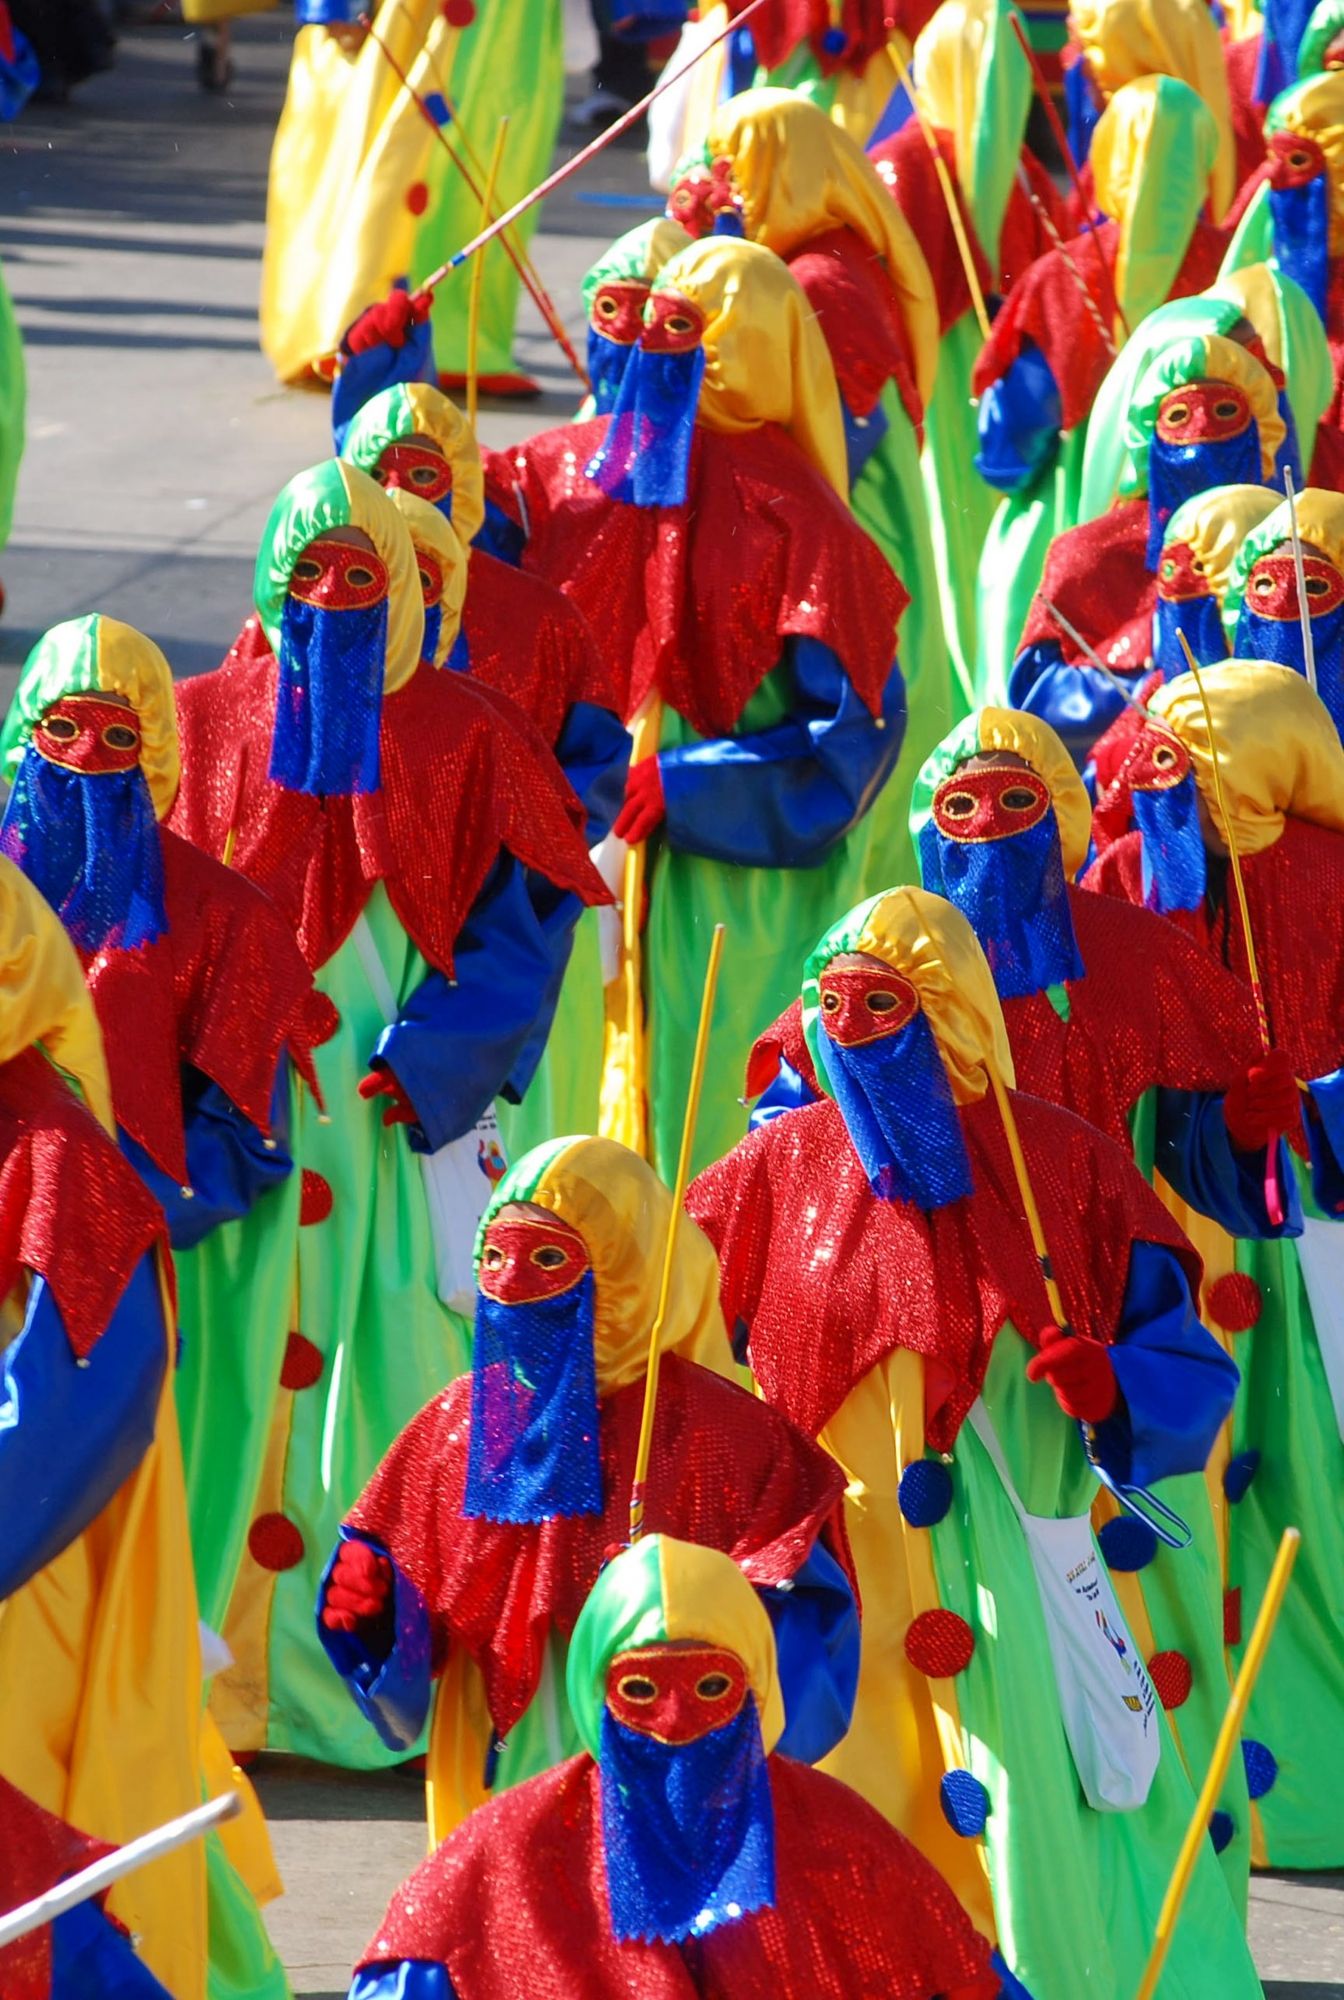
(906, 165)
(697, 598)
(1151, 1012)
(37, 1850)
(71, 1208)
(1097, 575)
(225, 989)
(859, 316)
(725, 1472)
(1295, 893)
(514, 1904)
(867, 26)
(456, 787)
(829, 1280)
(1046, 307)
(525, 638)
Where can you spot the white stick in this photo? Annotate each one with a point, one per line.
(102, 1874)
(1116, 681)
(1303, 608)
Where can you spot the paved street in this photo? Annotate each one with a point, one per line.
(130, 231)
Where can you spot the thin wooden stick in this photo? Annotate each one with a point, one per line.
(678, 1197)
(954, 215)
(1224, 1749)
(477, 279)
(100, 1875)
(1299, 567)
(590, 151)
(236, 813)
(1027, 1192)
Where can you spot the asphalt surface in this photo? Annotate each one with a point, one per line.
(130, 232)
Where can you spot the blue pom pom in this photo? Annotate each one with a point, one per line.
(1127, 1543)
(965, 1803)
(1238, 1474)
(437, 107)
(925, 1492)
(835, 41)
(1222, 1826)
(1262, 1767)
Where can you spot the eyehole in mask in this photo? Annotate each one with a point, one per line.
(1157, 763)
(1294, 159)
(431, 577)
(675, 1693)
(90, 734)
(1271, 588)
(702, 195)
(973, 806)
(421, 469)
(338, 576)
(861, 1005)
(618, 311)
(672, 325)
(1203, 413)
(528, 1256)
(1181, 575)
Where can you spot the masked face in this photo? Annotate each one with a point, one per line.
(417, 466)
(1166, 807)
(1271, 588)
(865, 1003)
(975, 806)
(672, 325)
(333, 638)
(1203, 413)
(617, 311)
(529, 1255)
(1180, 575)
(336, 576)
(89, 733)
(675, 1694)
(702, 196)
(1294, 160)
(1158, 762)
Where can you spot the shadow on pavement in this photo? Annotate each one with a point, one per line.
(1291, 1989)
(291, 1788)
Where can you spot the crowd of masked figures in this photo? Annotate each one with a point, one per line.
(870, 637)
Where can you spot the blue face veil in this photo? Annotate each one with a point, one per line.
(1161, 782)
(1205, 435)
(1185, 604)
(1270, 628)
(329, 696)
(886, 1074)
(1300, 219)
(644, 460)
(534, 1449)
(83, 829)
(991, 846)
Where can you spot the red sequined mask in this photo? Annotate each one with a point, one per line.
(1294, 159)
(339, 577)
(973, 806)
(80, 732)
(705, 193)
(672, 325)
(862, 1003)
(1181, 575)
(618, 311)
(1202, 413)
(675, 1694)
(416, 468)
(525, 1258)
(431, 577)
(1271, 588)
(1157, 763)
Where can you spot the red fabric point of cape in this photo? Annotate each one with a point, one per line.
(1095, 574)
(782, 1041)
(859, 316)
(456, 787)
(697, 598)
(829, 1280)
(37, 1850)
(525, 638)
(71, 1208)
(726, 1472)
(514, 1904)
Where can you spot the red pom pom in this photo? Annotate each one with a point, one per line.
(459, 13)
(1232, 1617)
(939, 1644)
(1172, 1677)
(303, 1363)
(315, 1199)
(274, 1542)
(417, 198)
(322, 1017)
(1234, 1302)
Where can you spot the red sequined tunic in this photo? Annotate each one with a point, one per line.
(726, 1472)
(1295, 893)
(37, 1850)
(695, 600)
(456, 787)
(779, 28)
(514, 1904)
(71, 1208)
(828, 1280)
(527, 639)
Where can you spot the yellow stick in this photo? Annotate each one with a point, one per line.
(478, 275)
(678, 1196)
(1228, 1736)
(1027, 1193)
(949, 196)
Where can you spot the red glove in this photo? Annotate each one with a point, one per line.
(1080, 1372)
(390, 320)
(1262, 1104)
(359, 1588)
(382, 1083)
(645, 808)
